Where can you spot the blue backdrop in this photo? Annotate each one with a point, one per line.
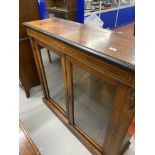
(42, 9)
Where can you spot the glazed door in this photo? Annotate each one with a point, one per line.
(95, 99)
(93, 103)
(54, 77)
(51, 64)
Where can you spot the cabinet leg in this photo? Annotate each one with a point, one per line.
(49, 56)
(126, 146)
(27, 93)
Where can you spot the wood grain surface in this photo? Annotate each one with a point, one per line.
(102, 42)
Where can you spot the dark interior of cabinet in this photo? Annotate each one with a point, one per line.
(65, 9)
(56, 4)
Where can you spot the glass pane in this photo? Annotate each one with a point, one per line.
(54, 77)
(93, 102)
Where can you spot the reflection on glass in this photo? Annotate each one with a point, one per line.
(93, 101)
(54, 77)
(100, 5)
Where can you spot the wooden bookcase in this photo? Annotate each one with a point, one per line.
(66, 9)
(89, 87)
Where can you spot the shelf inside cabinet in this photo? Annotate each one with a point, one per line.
(57, 9)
